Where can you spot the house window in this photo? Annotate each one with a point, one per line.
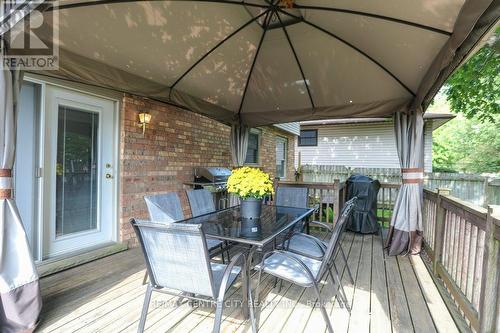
(253, 147)
(281, 154)
(308, 137)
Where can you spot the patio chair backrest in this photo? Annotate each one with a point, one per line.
(337, 231)
(176, 256)
(291, 196)
(165, 207)
(201, 202)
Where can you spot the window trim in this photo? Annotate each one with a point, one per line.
(300, 144)
(284, 140)
(257, 132)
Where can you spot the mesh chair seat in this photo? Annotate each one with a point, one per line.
(282, 266)
(218, 274)
(201, 202)
(291, 197)
(303, 244)
(213, 244)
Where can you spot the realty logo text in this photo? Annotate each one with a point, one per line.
(30, 36)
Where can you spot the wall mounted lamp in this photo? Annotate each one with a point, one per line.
(144, 120)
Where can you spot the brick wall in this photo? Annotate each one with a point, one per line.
(176, 141)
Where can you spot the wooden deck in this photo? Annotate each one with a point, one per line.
(389, 294)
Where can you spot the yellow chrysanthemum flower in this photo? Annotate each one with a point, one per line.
(249, 182)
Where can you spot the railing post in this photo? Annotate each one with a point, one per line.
(488, 306)
(336, 199)
(439, 229)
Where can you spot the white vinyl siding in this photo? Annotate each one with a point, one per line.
(370, 145)
(293, 128)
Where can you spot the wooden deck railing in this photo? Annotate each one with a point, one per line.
(329, 197)
(462, 242)
(385, 202)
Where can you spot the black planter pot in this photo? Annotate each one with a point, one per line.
(251, 228)
(251, 208)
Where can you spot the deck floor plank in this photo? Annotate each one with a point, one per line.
(362, 293)
(419, 312)
(380, 320)
(106, 295)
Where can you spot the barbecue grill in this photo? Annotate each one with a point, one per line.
(213, 179)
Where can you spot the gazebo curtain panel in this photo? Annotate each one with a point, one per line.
(20, 300)
(405, 231)
(238, 146)
(239, 143)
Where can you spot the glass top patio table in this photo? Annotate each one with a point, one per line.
(228, 224)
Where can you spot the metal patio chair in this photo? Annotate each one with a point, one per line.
(291, 196)
(201, 202)
(306, 271)
(315, 248)
(177, 258)
(167, 208)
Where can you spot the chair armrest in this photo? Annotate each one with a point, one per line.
(308, 238)
(227, 273)
(291, 257)
(316, 208)
(322, 225)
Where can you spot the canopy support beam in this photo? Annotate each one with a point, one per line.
(214, 48)
(296, 59)
(353, 47)
(268, 13)
(109, 2)
(380, 17)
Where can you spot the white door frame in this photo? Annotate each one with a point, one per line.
(113, 202)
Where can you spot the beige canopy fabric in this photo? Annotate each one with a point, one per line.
(261, 62)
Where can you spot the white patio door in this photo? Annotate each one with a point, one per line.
(78, 171)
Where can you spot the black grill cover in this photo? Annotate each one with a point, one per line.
(364, 217)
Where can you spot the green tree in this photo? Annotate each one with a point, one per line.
(474, 89)
(467, 145)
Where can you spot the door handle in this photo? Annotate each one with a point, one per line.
(109, 176)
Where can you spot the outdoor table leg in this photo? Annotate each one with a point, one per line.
(246, 306)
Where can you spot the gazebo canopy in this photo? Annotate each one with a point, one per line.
(271, 61)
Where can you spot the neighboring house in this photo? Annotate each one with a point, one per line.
(361, 143)
(87, 165)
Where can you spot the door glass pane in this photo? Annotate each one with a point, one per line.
(76, 172)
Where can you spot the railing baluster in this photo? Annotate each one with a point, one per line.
(472, 264)
(465, 256)
(488, 311)
(321, 205)
(479, 267)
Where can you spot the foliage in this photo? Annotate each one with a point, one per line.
(467, 145)
(249, 182)
(474, 89)
(328, 214)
